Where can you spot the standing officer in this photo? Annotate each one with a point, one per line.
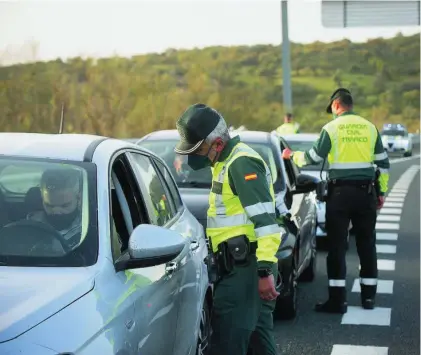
(352, 144)
(242, 230)
(288, 127)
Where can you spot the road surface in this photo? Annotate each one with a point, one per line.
(393, 328)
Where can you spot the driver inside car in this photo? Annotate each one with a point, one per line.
(61, 199)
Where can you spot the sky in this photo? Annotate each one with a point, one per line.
(45, 30)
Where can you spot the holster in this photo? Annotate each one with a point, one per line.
(322, 190)
(377, 183)
(214, 274)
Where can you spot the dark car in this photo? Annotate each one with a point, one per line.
(294, 197)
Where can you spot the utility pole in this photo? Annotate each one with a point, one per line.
(286, 58)
(60, 130)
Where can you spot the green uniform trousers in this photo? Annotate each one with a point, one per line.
(240, 317)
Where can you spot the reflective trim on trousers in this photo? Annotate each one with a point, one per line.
(368, 282)
(344, 166)
(260, 208)
(337, 283)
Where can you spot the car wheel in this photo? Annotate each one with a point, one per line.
(205, 331)
(407, 154)
(286, 304)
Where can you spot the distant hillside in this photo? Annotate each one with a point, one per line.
(130, 97)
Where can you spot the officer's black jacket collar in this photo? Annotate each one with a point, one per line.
(228, 148)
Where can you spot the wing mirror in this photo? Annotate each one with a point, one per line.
(305, 183)
(151, 245)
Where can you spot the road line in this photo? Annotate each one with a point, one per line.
(358, 350)
(396, 194)
(359, 316)
(400, 160)
(386, 248)
(387, 226)
(386, 236)
(383, 286)
(393, 204)
(387, 218)
(390, 211)
(395, 199)
(399, 190)
(386, 265)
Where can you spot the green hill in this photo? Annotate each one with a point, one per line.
(132, 96)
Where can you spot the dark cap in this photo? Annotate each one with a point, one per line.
(194, 125)
(343, 94)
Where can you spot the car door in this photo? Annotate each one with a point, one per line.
(300, 208)
(177, 287)
(154, 289)
(193, 271)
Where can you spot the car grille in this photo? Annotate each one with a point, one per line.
(390, 145)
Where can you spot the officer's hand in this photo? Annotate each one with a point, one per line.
(178, 164)
(286, 153)
(380, 202)
(267, 289)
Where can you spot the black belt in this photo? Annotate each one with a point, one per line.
(356, 183)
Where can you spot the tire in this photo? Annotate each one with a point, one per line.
(286, 305)
(205, 331)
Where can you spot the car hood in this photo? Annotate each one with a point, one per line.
(30, 295)
(197, 201)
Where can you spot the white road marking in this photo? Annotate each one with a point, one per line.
(400, 160)
(399, 190)
(396, 194)
(388, 218)
(386, 236)
(387, 226)
(359, 350)
(390, 211)
(386, 265)
(395, 199)
(393, 204)
(386, 248)
(383, 286)
(360, 316)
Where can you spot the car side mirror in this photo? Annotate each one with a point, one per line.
(305, 183)
(151, 245)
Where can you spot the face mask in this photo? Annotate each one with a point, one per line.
(62, 221)
(197, 162)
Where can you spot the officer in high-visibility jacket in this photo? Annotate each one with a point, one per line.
(352, 146)
(288, 127)
(242, 229)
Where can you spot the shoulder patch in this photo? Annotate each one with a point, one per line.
(252, 176)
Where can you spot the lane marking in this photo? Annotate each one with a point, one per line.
(386, 248)
(400, 160)
(387, 226)
(390, 211)
(396, 194)
(399, 190)
(383, 286)
(388, 218)
(359, 316)
(386, 236)
(393, 204)
(395, 199)
(358, 350)
(386, 265)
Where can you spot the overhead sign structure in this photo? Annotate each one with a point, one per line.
(382, 13)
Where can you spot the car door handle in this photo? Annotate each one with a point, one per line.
(171, 267)
(194, 244)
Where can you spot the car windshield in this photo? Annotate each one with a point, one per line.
(393, 132)
(303, 146)
(47, 213)
(186, 177)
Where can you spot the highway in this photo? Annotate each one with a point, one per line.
(393, 328)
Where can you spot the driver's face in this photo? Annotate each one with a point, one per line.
(59, 202)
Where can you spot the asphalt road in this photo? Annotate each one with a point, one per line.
(393, 328)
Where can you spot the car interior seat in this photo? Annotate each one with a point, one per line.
(33, 200)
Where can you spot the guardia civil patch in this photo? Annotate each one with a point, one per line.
(250, 177)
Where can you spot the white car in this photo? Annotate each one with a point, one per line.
(302, 142)
(396, 139)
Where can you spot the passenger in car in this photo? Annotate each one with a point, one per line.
(60, 193)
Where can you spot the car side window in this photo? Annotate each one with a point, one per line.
(169, 181)
(127, 208)
(157, 194)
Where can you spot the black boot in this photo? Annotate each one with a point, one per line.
(368, 294)
(336, 302)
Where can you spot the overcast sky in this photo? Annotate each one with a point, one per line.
(101, 28)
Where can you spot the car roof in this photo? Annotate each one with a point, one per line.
(301, 137)
(76, 147)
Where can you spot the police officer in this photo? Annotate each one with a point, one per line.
(352, 144)
(242, 230)
(288, 127)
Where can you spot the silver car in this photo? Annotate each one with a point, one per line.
(396, 140)
(104, 258)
